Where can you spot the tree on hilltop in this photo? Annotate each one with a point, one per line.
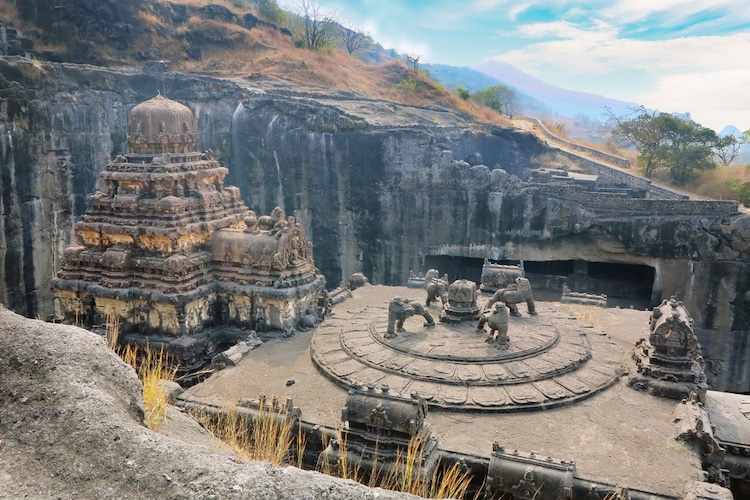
(319, 26)
(354, 38)
(501, 98)
(667, 142)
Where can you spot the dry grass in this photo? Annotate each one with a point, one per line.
(715, 184)
(587, 314)
(152, 368)
(407, 473)
(9, 14)
(269, 436)
(112, 331)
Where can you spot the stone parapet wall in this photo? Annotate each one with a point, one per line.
(623, 204)
(609, 175)
(591, 152)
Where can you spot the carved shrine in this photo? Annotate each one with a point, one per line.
(462, 302)
(669, 362)
(174, 256)
(378, 428)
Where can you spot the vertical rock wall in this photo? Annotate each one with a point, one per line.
(373, 199)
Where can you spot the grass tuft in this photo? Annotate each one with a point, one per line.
(153, 368)
(269, 436)
(407, 473)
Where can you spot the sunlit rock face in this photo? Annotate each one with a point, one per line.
(379, 188)
(166, 251)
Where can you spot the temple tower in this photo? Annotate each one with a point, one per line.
(173, 255)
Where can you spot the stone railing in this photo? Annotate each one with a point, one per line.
(600, 163)
(572, 146)
(625, 205)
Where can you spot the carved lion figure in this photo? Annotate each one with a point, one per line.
(436, 287)
(513, 294)
(399, 309)
(497, 319)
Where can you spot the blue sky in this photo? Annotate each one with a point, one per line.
(672, 55)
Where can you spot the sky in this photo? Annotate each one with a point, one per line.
(685, 56)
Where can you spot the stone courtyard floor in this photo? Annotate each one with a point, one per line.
(616, 435)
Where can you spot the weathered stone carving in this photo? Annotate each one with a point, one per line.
(378, 427)
(399, 310)
(168, 251)
(589, 299)
(384, 413)
(670, 362)
(513, 294)
(693, 425)
(436, 287)
(357, 280)
(699, 490)
(462, 302)
(415, 280)
(496, 276)
(234, 354)
(527, 476)
(497, 319)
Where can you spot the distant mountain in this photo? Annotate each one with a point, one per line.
(730, 130)
(558, 101)
(536, 97)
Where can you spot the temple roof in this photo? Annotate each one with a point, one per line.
(161, 125)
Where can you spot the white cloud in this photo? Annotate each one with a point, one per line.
(704, 75)
(714, 98)
(602, 51)
(674, 10)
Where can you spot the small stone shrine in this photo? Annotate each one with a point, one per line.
(462, 302)
(378, 428)
(669, 362)
(496, 276)
(174, 256)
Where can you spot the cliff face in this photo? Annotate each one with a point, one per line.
(379, 187)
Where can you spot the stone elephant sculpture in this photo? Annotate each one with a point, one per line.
(497, 319)
(399, 309)
(513, 294)
(436, 287)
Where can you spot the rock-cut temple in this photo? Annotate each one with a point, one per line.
(174, 256)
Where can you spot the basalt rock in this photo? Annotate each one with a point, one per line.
(378, 188)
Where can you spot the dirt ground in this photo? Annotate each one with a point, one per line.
(620, 436)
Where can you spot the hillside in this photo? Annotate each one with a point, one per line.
(217, 39)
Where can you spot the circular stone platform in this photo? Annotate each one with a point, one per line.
(553, 359)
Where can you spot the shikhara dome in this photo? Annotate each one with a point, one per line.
(161, 125)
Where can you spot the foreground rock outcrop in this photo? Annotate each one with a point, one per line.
(71, 427)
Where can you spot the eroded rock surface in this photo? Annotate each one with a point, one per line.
(70, 427)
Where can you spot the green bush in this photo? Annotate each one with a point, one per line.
(270, 10)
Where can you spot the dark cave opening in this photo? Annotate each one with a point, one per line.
(625, 285)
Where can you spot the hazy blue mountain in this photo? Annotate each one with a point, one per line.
(453, 77)
(537, 98)
(730, 130)
(561, 102)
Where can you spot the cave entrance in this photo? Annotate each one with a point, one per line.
(468, 268)
(625, 285)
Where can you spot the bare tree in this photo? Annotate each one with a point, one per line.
(412, 59)
(319, 25)
(354, 39)
(727, 149)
